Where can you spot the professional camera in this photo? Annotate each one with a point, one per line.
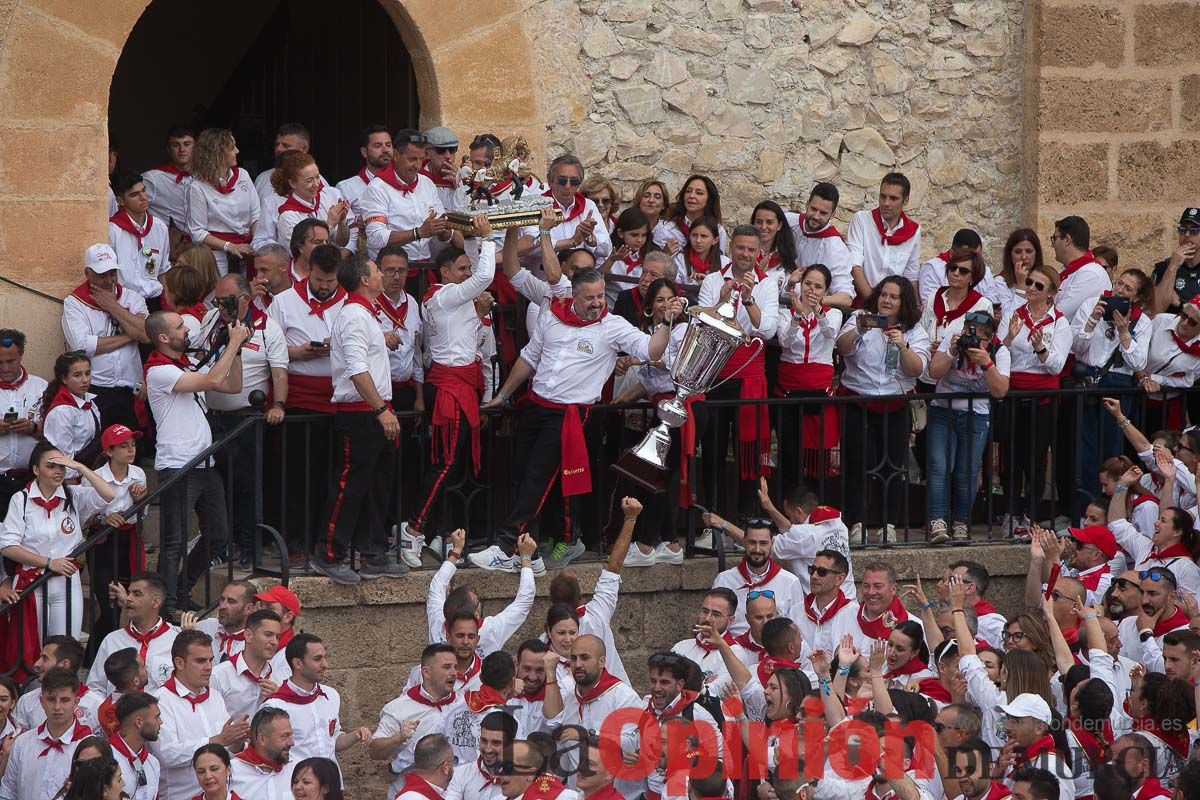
(978, 330)
(969, 340)
(229, 305)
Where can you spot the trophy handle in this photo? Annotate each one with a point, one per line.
(761, 344)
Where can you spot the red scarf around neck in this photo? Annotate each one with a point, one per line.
(287, 693)
(1094, 744)
(486, 697)
(125, 222)
(698, 267)
(577, 204)
(393, 180)
(418, 694)
(1051, 316)
(228, 186)
(673, 709)
(1172, 623)
(933, 689)
(181, 692)
(810, 607)
(170, 168)
(118, 743)
(258, 760)
(240, 667)
(416, 784)
(397, 314)
(1074, 266)
(881, 627)
(907, 230)
(913, 666)
(465, 677)
(356, 299)
(161, 628)
(945, 316)
(365, 176)
(564, 309)
(747, 641)
(828, 232)
(708, 648)
(315, 306)
(768, 665)
(753, 581)
(1177, 550)
(605, 682)
(64, 397)
(83, 293)
(1192, 348)
(1040, 747)
(293, 203)
(438, 180)
(20, 381)
(544, 787)
(1179, 741)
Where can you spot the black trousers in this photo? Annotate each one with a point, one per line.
(202, 491)
(875, 454)
(537, 459)
(116, 406)
(307, 456)
(237, 466)
(1027, 429)
(357, 498)
(439, 476)
(108, 562)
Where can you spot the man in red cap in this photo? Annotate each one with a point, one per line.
(1095, 546)
(282, 601)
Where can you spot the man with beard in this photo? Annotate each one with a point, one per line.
(228, 628)
(176, 396)
(497, 679)
(481, 779)
(531, 674)
(597, 692)
(246, 679)
(1134, 755)
(716, 610)
(529, 777)
(971, 771)
(1142, 634)
(402, 206)
(828, 613)
(1181, 654)
(263, 769)
(760, 573)
(139, 721)
(417, 712)
(571, 353)
(1126, 595)
(441, 147)
(818, 242)
(146, 632)
(376, 152)
(881, 609)
(883, 240)
(57, 651)
(433, 766)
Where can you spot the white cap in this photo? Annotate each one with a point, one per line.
(100, 258)
(1027, 705)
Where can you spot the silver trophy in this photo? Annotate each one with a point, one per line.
(712, 336)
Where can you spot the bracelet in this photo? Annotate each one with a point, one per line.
(416, 234)
(1089, 617)
(844, 669)
(551, 683)
(455, 554)
(1123, 423)
(1120, 489)
(1041, 352)
(930, 606)
(958, 611)
(724, 525)
(988, 366)
(823, 679)
(279, 404)
(225, 247)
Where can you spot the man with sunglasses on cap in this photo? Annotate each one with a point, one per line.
(759, 573)
(21, 407)
(1094, 547)
(580, 215)
(402, 206)
(1142, 633)
(441, 148)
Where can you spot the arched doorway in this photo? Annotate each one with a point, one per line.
(331, 68)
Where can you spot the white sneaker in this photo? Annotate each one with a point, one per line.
(705, 539)
(410, 546)
(636, 558)
(856, 533)
(537, 565)
(495, 560)
(665, 555)
(887, 534)
(434, 547)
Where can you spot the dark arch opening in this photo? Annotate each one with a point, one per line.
(252, 66)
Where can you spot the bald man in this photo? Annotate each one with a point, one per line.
(597, 691)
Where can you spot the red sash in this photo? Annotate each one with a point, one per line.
(754, 420)
(906, 231)
(575, 469)
(881, 628)
(811, 376)
(25, 651)
(125, 222)
(944, 316)
(287, 694)
(459, 390)
(310, 393)
(839, 602)
(232, 238)
(687, 440)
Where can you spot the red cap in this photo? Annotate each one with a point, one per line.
(1097, 535)
(823, 514)
(117, 434)
(282, 595)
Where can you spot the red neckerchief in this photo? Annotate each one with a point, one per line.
(881, 627)
(544, 787)
(257, 318)
(699, 266)
(483, 699)
(257, 759)
(1095, 745)
(242, 669)
(1151, 790)
(293, 203)
(390, 177)
(1178, 741)
(228, 186)
(577, 204)
(943, 316)
(933, 689)
(365, 176)
(747, 642)
(194, 699)
(431, 291)
(397, 314)
(828, 232)
(564, 309)
(418, 694)
(682, 700)
(839, 602)
(1073, 267)
(438, 180)
(286, 637)
(708, 648)
(83, 293)
(605, 682)
(471, 671)
(1051, 316)
(19, 382)
(1090, 578)
(144, 639)
(119, 744)
(913, 666)
(287, 693)
(80, 731)
(415, 783)
(532, 697)
(605, 792)
(906, 231)
(635, 261)
(356, 299)
(125, 222)
(1172, 623)
(64, 398)
(768, 665)
(48, 505)
(315, 306)
(157, 359)
(983, 607)
(1177, 550)
(488, 778)
(171, 169)
(636, 295)
(1192, 349)
(1040, 747)
(753, 581)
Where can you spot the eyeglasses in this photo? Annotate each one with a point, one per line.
(708, 612)
(1041, 287)
(1014, 636)
(757, 594)
(1057, 595)
(821, 572)
(1054, 237)
(563, 181)
(602, 201)
(396, 271)
(1188, 230)
(1181, 448)
(958, 269)
(1190, 320)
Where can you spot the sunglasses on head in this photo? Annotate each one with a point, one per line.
(563, 181)
(822, 571)
(763, 593)
(1041, 287)
(958, 269)
(1157, 575)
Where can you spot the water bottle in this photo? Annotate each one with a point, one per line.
(891, 360)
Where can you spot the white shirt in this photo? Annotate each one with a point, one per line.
(991, 628)
(238, 687)
(1165, 361)
(865, 371)
(352, 190)
(828, 250)
(716, 676)
(29, 712)
(168, 196)
(158, 657)
(537, 291)
(26, 400)
(591, 715)
(183, 430)
(325, 200)
(879, 260)
(765, 294)
(798, 547)
(451, 324)
(937, 330)
(1056, 337)
(684, 275)
(669, 229)
(82, 325)
(210, 211)
(133, 764)
(970, 379)
(317, 725)
(1096, 346)
(265, 230)
(575, 361)
(469, 782)
(406, 360)
(826, 636)
(461, 726)
(932, 277)
(806, 338)
(387, 209)
(36, 771)
(566, 229)
(788, 595)
(70, 427)
(596, 619)
(496, 629)
(1082, 288)
(54, 533)
(290, 309)
(356, 347)
(264, 350)
(259, 782)
(135, 475)
(136, 270)
(1143, 556)
(185, 727)
(428, 715)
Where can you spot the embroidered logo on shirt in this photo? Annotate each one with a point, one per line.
(67, 526)
(584, 346)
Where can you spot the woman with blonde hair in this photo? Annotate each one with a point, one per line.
(298, 180)
(600, 190)
(223, 206)
(201, 259)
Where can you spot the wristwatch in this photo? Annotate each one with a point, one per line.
(279, 404)
(379, 412)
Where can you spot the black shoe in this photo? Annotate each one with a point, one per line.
(382, 567)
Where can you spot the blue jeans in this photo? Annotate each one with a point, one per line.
(1099, 436)
(956, 441)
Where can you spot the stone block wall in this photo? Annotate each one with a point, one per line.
(1118, 107)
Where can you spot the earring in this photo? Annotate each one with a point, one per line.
(647, 312)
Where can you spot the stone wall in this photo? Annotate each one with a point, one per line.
(375, 631)
(1117, 120)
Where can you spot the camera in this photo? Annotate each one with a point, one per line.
(1115, 303)
(969, 340)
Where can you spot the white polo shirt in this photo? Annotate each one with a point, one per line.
(40, 763)
(238, 686)
(292, 210)
(25, 398)
(877, 259)
(167, 187)
(210, 210)
(1081, 282)
(264, 350)
(765, 294)
(353, 188)
(821, 630)
(865, 371)
(316, 719)
(183, 430)
(573, 214)
(140, 270)
(157, 655)
(189, 720)
(388, 209)
(83, 324)
(140, 770)
(414, 704)
(590, 712)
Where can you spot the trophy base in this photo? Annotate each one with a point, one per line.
(641, 473)
(509, 214)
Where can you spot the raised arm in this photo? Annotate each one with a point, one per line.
(631, 508)
(1135, 437)
(1063, 659)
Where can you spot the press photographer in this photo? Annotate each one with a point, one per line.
(176, 390)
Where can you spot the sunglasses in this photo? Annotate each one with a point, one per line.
(1188, 230)
(1157, 575)
(564, 181)
(757, 594)
(445, 151)
(958, 269)
(1041, 287)
(1190, 320)
(822, 571)
(1124, 584)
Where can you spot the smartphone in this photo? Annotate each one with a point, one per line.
(317, 344)
(868, 321)
(11, 415)
(1116, 303)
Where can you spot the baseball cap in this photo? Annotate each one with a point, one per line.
(1027, 705)
(282, 595)
(440, 136)
(1098, 535)
(117, 434)
(1190, 216)
(100, 258)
